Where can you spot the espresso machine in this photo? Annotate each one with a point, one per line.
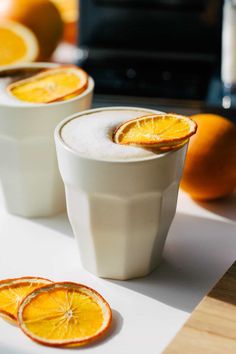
(160, 53)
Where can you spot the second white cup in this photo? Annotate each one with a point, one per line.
(32, 185)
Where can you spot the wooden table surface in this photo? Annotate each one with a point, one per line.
(212, 326)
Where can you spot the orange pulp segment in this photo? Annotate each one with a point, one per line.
(51, 85)
(12, 291)
(64, 314)
(164, 131)
(18, 43)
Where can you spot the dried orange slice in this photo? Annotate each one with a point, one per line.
(163, 131)
(12, 291)
(18, 44)
(51, 85)
(64, 314)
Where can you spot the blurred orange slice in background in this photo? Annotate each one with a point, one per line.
(64, 314)
(12, 291)
(161, 131)
(57, 84)
(18, 44)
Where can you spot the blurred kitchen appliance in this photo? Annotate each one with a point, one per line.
(152, 48)
(228, 66)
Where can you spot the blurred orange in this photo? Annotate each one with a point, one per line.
(18, 43)
(210, 167)
(70, 14)
(41, 16)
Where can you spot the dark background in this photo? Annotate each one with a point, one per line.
(155, 52)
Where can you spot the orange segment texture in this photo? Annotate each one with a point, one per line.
(51, 85)
(18, 44)
(161, 130)
(10, 54)
(12, 291)
(64, 314)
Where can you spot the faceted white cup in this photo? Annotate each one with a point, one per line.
(120, 212)
(31, 182)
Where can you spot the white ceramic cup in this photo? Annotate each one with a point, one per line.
(120, 212)
(31, 183)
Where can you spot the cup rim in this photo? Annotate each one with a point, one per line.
(44, 65)
(58, 137)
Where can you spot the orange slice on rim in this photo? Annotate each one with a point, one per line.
(51, 85)
(18, 43)
(162, 131)
(64, 314)
(12, 291)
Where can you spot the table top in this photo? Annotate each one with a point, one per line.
(211, 328)
(147, 312)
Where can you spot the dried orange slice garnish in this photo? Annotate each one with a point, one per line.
(18, 44)
(163, 131)
(64, 314)
(51, 85)
(12, 291)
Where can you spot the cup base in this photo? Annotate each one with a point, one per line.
(126, 276)
(36, 215)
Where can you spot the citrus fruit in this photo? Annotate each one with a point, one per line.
(69, 13)
(68, 9)
(41, 16)
(18, 44)
(50, 85)
(164, 131)
(12, 291)
(210, 167)
(64, 314)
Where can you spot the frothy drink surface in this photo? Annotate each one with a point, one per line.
(90, 135)
(5, 98)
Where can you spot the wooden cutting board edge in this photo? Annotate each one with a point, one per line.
(211, 327)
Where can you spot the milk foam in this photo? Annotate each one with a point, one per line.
(90, 135)
(5, 97)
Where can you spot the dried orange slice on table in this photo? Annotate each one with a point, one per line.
(51, 85)
(64, 314)
(160, 131)
(18, 44)
(12, 291)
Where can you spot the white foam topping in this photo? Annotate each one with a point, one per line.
(5, 98)
(90, 135)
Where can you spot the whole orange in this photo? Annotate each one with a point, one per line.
(210, 167)
(41, 16)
